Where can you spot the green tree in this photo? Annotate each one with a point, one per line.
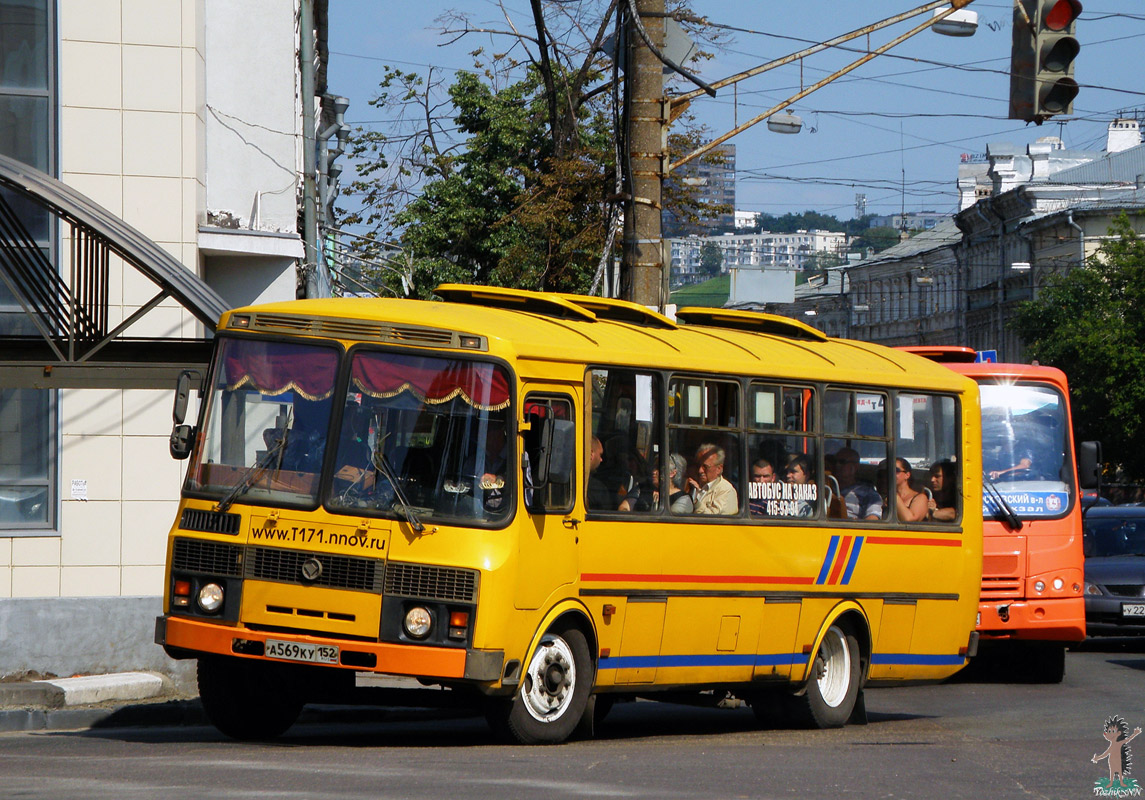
(877, 239)
(805, 221)
(508, 181)
(1089, 323)
(711, 258)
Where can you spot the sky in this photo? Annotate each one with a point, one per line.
(894, 130)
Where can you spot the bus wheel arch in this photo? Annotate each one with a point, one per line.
(555, 686)
(836, 673)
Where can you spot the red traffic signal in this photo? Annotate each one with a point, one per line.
(1041, 62)
(1061, 14)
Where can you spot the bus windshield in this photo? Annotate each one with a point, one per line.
(1024, 448)
(420, 435)
(425, 431)
(267, 417)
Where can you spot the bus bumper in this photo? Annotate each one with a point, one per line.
(1053, 620)
(191, 638)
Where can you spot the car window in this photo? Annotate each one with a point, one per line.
(1114, 536)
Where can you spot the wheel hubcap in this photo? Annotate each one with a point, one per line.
(547, 689)
(833, 667)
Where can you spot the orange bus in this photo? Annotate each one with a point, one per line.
(1031, 606)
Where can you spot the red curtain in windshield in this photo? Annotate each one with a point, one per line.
(432, 380)
(276, 367)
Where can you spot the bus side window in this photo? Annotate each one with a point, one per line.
(547, 441)
(624, 472)
(704, 428)
(926, 435)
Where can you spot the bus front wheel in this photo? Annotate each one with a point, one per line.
(553, 693)
(248, 700)
(833, 684)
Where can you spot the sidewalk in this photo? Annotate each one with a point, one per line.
(96, 701)
(135, 699)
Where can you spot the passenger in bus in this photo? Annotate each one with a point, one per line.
(714, 494)
(761, 472)
(679, 501)
(601, 497)
(616, 473)
(910, 502)
(942, 487)
(798, 472)
(861, 499)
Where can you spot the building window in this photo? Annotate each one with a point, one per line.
(28, 417)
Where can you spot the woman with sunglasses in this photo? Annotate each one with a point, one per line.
(911, 503)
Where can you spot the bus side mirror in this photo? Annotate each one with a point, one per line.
(182, 394)
(181, 435)
(1089, 465)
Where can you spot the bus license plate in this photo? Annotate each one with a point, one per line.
(1133, 609)
(310, 653)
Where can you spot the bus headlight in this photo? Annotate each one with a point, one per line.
(211, 598)
(418, 622)
(1040, 586)
(1058, 584)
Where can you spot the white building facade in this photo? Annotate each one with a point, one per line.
(788, 252)
(173, 116)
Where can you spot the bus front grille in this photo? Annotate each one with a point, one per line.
(206, 557)
(431, 583)
(336, 572)
(994, 588)
(196, 519)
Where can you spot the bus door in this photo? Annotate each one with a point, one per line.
(546, 541)
(622, 538)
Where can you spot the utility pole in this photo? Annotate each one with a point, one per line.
(309, 154)
(643, 273)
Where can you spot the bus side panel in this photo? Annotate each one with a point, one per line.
(710, 639)
(895, 632)
(775, 650)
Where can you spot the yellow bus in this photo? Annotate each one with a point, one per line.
(549, 502)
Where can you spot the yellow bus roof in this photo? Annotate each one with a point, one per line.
(549, 327)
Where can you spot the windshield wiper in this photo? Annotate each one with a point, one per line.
(382, 463)
(253, 473)
(1002, 509)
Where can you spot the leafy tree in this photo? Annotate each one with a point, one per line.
(822, 259)
(877, 239)
(806, 221)
(711, 258)
(1088, 323)
(520, 190)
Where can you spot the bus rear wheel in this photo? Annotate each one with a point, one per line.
(553, 694)
(248, 700)
(832, 685)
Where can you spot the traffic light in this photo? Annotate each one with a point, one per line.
(1041, 62)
